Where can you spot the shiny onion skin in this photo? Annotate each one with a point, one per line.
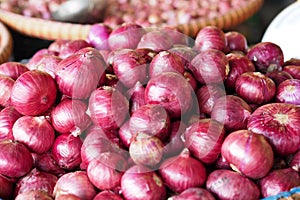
(182, 172)
(288, 91)
(278, 122)
(6, 85)
(248, 153)
(204, 139)
(13, 69)
(142, 183)
(33, 93)
(185, 52)
(98, 36)
(191, 79)
(279, 76)
(48, 64)
(7, 188)
(136, 97)
(156, 40)
(172, 91)
(34, 195)
(293, 70)
(227, 185)
(107, 194)
(125, 135)
(8, 116)
(38, 55)
(45, 162)
(16, 159)
(71, 47)
(236, 41)
(255, 88)
(195, 193)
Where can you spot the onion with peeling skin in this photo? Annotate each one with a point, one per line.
(288, 91)
(13, 69)
(98, 36)
(6, 85)
(194, 193)
(8, 116)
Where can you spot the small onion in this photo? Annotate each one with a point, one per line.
(248, 153)
(186, 54)
(71, 46)
(182, 172)
(125, 135)
(156, 40)
(33, 93)
(177, 37)
(141, 183)
(194, 193)
(288, 91)
(236, 41)
(57, 45)
(279, 76)
(7, 188)
(45, 162)
(34, 195)
(6, 85)
(136, 96)
(38, 55)
(226, 184)
(293, 70)
(107, 194)
(8, 116)
(191, 79)
(98, 36)
(48, 64)
(13, 69)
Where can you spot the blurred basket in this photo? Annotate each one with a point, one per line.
(50, 30)
(6, 44)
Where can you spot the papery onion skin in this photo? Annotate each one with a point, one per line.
(182, 172)
(142, 183)
(227, 185)
(98, 36)
(8, 116)
(204, 139)
(7, 188)
(76, 183)
(13, 69)
(156, 40)
(248, 153)
(33, 93)
(236, 41)
(288, 91)
(277, 181)
(16, 159)
(45, 162)
(6, 85)
(34, 195)
(195, 193)
(278, 122)
(36, 132)
(107, 194)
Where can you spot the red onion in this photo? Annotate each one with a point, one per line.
(125, 135)
(165, 61)
(7, 188)
(232, 111)
(295, 162)
(13, 69)
(207, 95)
(194, 193)
(113, 81)
(236, 41)
(16, 159)
(106, 170)
(151, 119)
(210, 66)
(38, 55)
(67, 197)
(34, 195)
(255, 88)
(45, 162)
(277, 181)
(292, 61)
(107, 194)
(226, 184)
(8, 116)
(33, 93)
(48, 64)
(126, 36)
(35, 132)
(204, 139)
(278, 123)
(146, 53)
(76, 183)
(136, 96)
(70, 47)
(248, 153)
(288, 92)
(130, 68)
(156, 40)
(140, 183)
(191, 79)
(79, 74)
(146, 150)
(57, 45)
(186, 54)
(222, 163)
(108, 107)
(98, 36)
(6, 85)
(266, 56)
(177, 37)
(182, 172)
(210, 37)
(172, 91)
(66, 151)
(293, 70)
(70, 116)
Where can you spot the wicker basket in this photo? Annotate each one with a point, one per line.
(50, 30)
(6, 44)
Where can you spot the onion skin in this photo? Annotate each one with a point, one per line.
(278, 123)
(6, 85)
(185, 52)
(279, 76)
(71, 47)
(125, 135)
(8, 116)
(33, 93)
(288, 91)
(136, 96)
(194, 193)
(236, 41)
(107, 194)
(295, 162)
(142, 179)
(191, 79)
(227, 185)
(13, 69)
(34, 195)
(293, 70)
(45, 162)
(248, 153)
(98, 36)
(280, 180)
(7, 188)
(67, 197)
(48, 64)
(156, 40)
(16, 159)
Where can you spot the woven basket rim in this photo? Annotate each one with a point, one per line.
(6, 43)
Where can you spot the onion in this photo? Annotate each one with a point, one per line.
(136, 96)
(35, 132)
(255, 88)
(98, 36)
(226, 184)
(79, 74)
(113, 81)
(293, 70)
(125, 135)
(108, 107)
(292, 61)
(266, 56)
(34, 195)
(6, 85)
(66, 151)
(248, 153)
(288, 92)
(13, 69)
(204, 139)
(57, 45)
(279, 76)
(47, 63)
(72, 46)
(16, 159)
(210, 66)
(107, 194)
(295, 162)
(236, 41)
(232, 111)
(45, 162)
(7, 188)
(76, 183)
(106, 170)
(210, 37)
(70, 116)
(126, 36)
(191, 79)
(278, 181)
(182, 172)
(33, 93)
(156, 40)
(151, 119)
(194, 193)
(8, 116)
(177, 37)
(146, 150)
(172, 91)
(278, 123)
(146, 53)
(67, 197)
(186, 54)
(140, 183)
(222, 163)
(38, 55)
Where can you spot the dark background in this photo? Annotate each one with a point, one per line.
(253, 29)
